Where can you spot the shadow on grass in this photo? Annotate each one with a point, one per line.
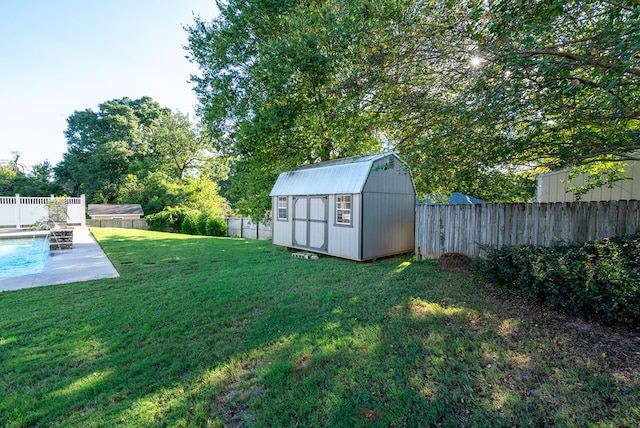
(223, 332)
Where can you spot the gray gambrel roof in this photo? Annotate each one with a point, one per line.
(333, 177)
(115, 209)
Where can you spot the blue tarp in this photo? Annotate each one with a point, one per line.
(456, 198)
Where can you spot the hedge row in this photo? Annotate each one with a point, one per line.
(599, 281)
(189, 221)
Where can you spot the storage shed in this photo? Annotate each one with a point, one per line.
(357, 208)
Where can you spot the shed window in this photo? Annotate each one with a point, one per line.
(282, 208)
(343, 209)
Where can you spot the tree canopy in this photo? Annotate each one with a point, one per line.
(273, 89)
(514, 85)
(37, 182)
(103, 145)
(477, 96)
(136, 151)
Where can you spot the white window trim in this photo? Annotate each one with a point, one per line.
(285, 208)
(343, 210)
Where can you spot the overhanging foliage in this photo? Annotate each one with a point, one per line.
(478, 97)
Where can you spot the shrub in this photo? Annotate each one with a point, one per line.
(168, 220)
(190, 223)
(201, 222)
(507, 266)
(216, 226)
(596, 280)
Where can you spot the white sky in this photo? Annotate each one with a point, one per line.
(61, 56)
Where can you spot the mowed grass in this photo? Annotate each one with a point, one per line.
(202, 331)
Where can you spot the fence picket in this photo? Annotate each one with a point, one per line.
(633, 209)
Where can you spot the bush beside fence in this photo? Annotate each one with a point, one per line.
(598, 281)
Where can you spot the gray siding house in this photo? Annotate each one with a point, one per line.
(554, 186)
(357, 208)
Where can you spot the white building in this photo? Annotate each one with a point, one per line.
(357, 208)
(552, 187)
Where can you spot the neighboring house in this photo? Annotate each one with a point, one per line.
(456, 198)
(356, 208)
(552, 187)
(115, 211)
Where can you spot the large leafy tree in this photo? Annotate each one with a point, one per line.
(273, 89)
(414, 65)
(103, 145)
(155, 192)
(136, 151)
(576, 66)
(176, 148)
(486, 93)
(37, 182)
(478, 96)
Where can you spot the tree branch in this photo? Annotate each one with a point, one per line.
(621, 6)
(578, 58)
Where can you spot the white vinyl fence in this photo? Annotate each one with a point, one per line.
(244, 227)
(18, 211)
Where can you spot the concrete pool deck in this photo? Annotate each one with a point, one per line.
(84, 262)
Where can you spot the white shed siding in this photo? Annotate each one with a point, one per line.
(390, 176)
(552, 187)
(388, 210)
(282, 230)
(344, 241)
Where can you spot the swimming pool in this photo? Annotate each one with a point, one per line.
(23, 256)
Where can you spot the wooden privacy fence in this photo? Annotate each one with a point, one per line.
(467, 229)
(138, 223)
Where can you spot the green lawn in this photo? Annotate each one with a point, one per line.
(202, 331)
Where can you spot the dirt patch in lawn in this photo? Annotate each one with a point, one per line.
(619, 351)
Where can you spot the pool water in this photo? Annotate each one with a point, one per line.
(22, 256)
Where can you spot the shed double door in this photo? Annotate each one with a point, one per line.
(310, 226)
